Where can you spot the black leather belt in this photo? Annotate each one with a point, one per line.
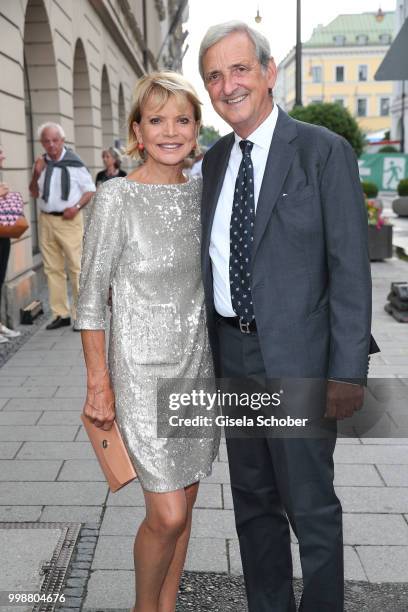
(54, 213)
(245, 328)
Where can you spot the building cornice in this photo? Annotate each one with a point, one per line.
(125, 31)
(333, 51)
(356, 50)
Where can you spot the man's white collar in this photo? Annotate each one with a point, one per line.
(262, 136)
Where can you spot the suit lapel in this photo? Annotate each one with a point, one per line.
(280, 157)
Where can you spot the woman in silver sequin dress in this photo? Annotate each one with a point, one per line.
(142, 241)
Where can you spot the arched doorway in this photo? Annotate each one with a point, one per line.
(84, 136)
(108, 135)
(41, 89)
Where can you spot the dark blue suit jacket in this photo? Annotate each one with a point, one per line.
(311, 283)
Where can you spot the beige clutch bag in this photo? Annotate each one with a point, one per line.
(111, 453)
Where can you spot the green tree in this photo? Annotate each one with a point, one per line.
(334, 117)
(388, 149)
(208, 135)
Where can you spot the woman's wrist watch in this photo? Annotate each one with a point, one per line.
(78, 206)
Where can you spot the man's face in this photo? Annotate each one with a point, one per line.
(52, 142)
(237, 84)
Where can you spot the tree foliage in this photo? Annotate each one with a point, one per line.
(334, 117)
(388, 149)
(208, 135)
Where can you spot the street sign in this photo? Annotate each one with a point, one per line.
(383, 169)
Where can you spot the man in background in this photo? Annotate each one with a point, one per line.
(65, 186)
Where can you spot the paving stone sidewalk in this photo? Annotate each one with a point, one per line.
(48, 472)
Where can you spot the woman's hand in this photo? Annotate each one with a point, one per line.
(100, 401)
(100, 406)
(4, 189)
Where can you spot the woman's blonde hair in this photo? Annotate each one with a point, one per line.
(160, 85)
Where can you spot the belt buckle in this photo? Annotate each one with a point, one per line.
(244, 327)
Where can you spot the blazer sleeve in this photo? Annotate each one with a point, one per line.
(346, 235)
(103, 242)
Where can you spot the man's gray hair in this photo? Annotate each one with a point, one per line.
(217, 32)
(50, 125)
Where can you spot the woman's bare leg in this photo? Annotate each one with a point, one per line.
(155, 544)
(169, 590)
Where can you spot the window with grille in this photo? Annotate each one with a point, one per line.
(384, 107)
(362, 72)
(339, 74)
(316, 74)
(362, 107)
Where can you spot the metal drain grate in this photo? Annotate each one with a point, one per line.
(54, 570)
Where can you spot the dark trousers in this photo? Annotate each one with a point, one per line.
(274, 482)
(4, 257)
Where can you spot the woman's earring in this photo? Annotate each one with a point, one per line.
(140, 146)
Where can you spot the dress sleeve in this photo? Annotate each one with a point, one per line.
(103, 242)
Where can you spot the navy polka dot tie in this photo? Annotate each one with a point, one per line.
(241, 236)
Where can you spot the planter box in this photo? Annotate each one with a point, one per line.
(380, 242)
(400, 206)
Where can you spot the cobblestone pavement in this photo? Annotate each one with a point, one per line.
(48, 473)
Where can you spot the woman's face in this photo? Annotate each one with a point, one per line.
(108, 159)
(168, 132)
(2, 157)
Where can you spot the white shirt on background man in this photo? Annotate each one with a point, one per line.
(80, 182)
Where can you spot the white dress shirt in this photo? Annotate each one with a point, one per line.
(80, 182)
(220, 234)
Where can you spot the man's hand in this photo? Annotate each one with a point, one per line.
(37, 169)
(70, 213)
(100, 406)
(4, 189)
(343, 399)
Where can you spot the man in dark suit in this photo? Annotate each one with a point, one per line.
(288, 294)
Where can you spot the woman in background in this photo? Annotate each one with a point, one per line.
(112, 160)
(6, 334)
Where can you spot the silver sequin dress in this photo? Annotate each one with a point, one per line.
(143, 242)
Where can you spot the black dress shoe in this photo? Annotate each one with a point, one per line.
(59, 322)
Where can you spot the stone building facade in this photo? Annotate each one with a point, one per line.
(339, 62)
(74, 62)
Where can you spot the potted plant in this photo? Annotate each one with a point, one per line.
(388, 149)
(371, 191)
(379, 232)
(400, 205)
